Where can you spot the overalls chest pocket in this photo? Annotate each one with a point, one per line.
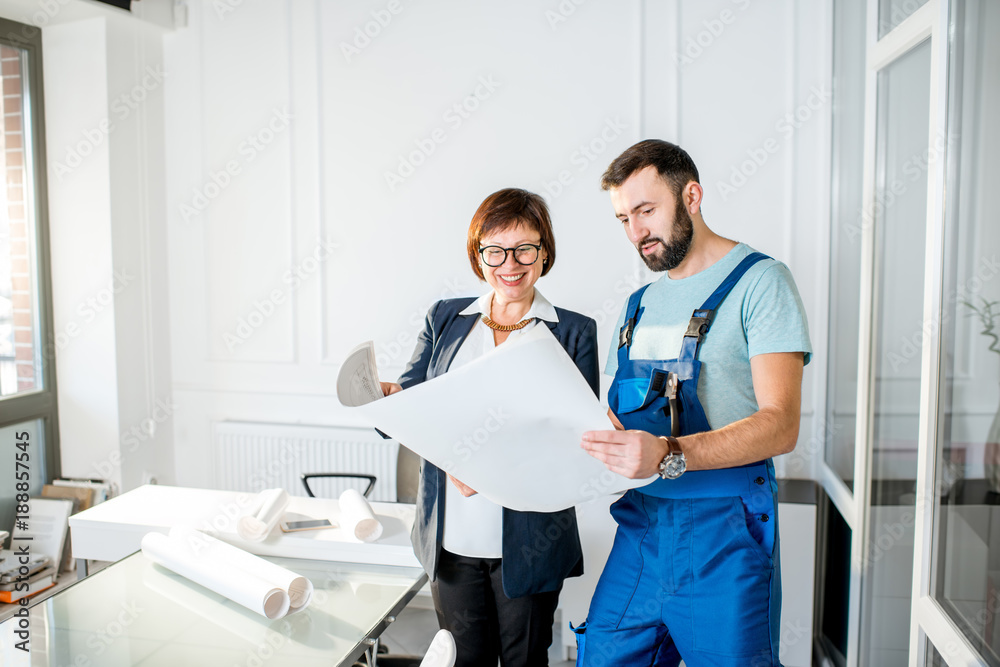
(661, 395)
(640, 397)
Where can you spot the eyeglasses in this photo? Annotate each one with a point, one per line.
(525, 254)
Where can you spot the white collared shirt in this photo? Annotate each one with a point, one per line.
(473, 526)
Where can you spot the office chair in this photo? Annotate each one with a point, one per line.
(441, 653)
(407, 477)
(339, 475)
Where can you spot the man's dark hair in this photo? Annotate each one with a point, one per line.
(672, 162)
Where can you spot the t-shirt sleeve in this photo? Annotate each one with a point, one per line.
(611, 367)
(774, 318)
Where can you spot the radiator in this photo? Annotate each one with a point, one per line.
(252, 456)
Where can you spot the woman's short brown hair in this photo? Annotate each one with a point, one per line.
(509, 208)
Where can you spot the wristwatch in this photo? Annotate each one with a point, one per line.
(673, 464)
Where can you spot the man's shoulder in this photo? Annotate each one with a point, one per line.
(766, 270)
(769, 273)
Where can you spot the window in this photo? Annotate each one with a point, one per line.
(27, 370)
(845, 242)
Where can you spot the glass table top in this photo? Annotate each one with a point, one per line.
(137, 613)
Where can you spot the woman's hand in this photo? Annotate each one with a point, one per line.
(464, 489)
(390, 388)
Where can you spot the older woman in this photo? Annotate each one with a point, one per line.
(496, 573)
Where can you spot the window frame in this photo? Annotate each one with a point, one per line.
(40, 404)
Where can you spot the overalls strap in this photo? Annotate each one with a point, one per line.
(632, 315)
(701, 319)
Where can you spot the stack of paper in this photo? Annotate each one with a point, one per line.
(16, 583)
(46, 528)
(82, 498)
(101, 490)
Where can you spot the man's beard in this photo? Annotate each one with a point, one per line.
(673, 253)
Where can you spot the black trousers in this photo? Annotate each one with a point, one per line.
(487, 625)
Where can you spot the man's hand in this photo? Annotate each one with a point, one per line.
(390, 388)
(464, 489)
(772, 430)
(614, 420)
(632, 454)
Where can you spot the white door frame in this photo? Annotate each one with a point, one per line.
(927, 619)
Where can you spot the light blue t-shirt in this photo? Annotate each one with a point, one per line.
(762, 314)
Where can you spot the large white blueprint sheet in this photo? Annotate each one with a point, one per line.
(509, 425)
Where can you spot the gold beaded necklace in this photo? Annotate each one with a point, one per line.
(505, 327)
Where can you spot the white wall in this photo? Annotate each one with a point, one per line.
(720, 78)
(250, 341)
(755, 106)
(322, 178)
(80, 243)
(103, 76)
(247, 193)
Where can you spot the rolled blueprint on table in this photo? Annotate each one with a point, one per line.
(509, 425)
(190, 597)
(264, 515)
(244, 578)
(357, 518)
(298, 588)
(261, 596)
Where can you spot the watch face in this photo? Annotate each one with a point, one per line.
(674, 467)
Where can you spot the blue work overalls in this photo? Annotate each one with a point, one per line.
(693, 572)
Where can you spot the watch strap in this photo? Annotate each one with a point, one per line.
(673, 446)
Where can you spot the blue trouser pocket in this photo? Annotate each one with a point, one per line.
(696, 578)
(581, 640)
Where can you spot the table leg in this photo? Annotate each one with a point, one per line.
(371, 653)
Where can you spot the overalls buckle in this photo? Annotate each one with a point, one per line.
(699, 324)
(625, 334)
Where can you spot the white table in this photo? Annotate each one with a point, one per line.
(114, 529)
(137, 613)
(134, 612)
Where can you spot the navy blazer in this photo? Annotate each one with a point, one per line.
(540, 549)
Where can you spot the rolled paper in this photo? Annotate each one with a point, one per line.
(191, 597)
(184, 558)
(357, 518)
(298, 588)
(264, 515)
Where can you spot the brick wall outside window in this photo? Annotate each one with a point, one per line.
(17, 317)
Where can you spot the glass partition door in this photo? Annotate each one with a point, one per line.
(917, 478)
(898, 243)
(960, 599)
(925, 585)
